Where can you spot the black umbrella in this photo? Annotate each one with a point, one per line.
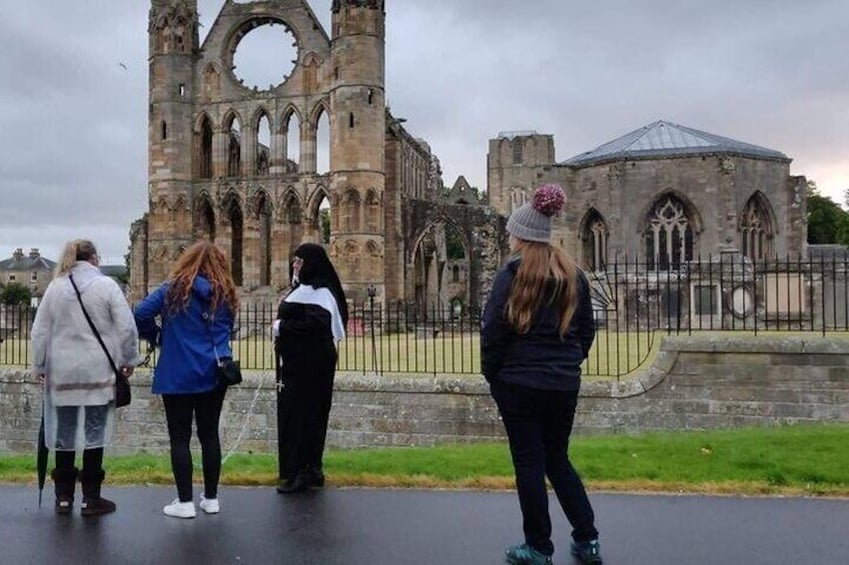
(41, 458)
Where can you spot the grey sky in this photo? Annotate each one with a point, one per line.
(770, 72)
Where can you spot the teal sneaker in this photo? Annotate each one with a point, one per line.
(526, 555)
(587, 552)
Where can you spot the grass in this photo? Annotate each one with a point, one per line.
(801, 460)
(453, 353)
(613, 353)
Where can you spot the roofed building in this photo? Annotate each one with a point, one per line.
(32, 271)
(664, 193)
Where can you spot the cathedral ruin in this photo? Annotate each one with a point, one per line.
(236, 163)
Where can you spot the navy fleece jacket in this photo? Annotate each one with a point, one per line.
(539, 359)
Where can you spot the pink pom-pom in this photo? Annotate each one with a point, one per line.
(549, 199)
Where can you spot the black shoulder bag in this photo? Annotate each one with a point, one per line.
(227, 371)
(123, 393)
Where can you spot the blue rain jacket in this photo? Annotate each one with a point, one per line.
(186, 361)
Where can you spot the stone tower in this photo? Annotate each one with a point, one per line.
(357, 152)
(236, 162)
(173, 36)
(213, 176)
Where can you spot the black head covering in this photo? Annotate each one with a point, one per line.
(318, 272)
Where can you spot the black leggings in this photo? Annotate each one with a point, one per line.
(179, 410)
(538, 424)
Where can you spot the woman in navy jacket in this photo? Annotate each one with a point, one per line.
(197, 305)
(537, 330)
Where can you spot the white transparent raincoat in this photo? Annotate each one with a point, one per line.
(79, 389)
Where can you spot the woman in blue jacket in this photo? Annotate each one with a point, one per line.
(196, 305)
(537, 330)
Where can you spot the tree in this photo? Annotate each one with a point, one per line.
(454, 244)
(15, 293)
(324, 214)
(827, 221)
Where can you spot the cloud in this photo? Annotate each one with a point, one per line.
(769, 72)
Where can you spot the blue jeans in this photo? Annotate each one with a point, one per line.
(538, 424)
(67, 421)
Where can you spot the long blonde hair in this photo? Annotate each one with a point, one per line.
(546, 276)
(201, 258)
(75, 250)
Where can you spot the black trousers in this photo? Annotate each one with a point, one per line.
(205, 409)
(538, 424)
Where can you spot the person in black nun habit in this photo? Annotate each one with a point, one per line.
(311, 321)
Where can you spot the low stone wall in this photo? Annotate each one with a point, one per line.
(692, 383)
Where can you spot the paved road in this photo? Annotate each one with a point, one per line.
(377, 527)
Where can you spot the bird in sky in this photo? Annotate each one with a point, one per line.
(124, 66)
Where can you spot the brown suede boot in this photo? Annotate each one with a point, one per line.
(93, 504)
(65, 481)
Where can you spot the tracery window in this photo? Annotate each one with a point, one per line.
(595, 241)
(755, 228)
(518, 197)
(669, 235)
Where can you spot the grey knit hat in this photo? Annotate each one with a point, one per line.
(532, 221)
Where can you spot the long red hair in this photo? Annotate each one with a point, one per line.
(206, 259)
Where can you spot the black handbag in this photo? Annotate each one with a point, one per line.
(123, 392)
(228, 372)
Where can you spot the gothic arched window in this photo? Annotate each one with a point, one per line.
(668, 235)
(518, 197)
(204, 149)
(595, 241)
(204, 219)
(263, 145)
(234, 148)
(263, 221)
(756, 229)
(235, 218)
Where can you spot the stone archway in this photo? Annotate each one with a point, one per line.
(479, 232)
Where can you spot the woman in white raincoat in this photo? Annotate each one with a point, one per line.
(79, 383)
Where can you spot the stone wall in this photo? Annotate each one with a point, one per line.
(692, 384)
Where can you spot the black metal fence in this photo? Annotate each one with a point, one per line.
(632, 303)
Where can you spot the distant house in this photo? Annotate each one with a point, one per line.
(32, 271)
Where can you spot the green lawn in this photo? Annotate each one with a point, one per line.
(613, 353)
(809, 459)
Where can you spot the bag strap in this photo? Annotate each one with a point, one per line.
(208, 317)
(92, 326)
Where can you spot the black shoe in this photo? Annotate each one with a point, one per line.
(316, 476)
(299, 483)
(587, 552)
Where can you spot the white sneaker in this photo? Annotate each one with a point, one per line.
(209, 505)
(179, 509)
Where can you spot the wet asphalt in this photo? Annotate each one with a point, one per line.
(363, 526)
